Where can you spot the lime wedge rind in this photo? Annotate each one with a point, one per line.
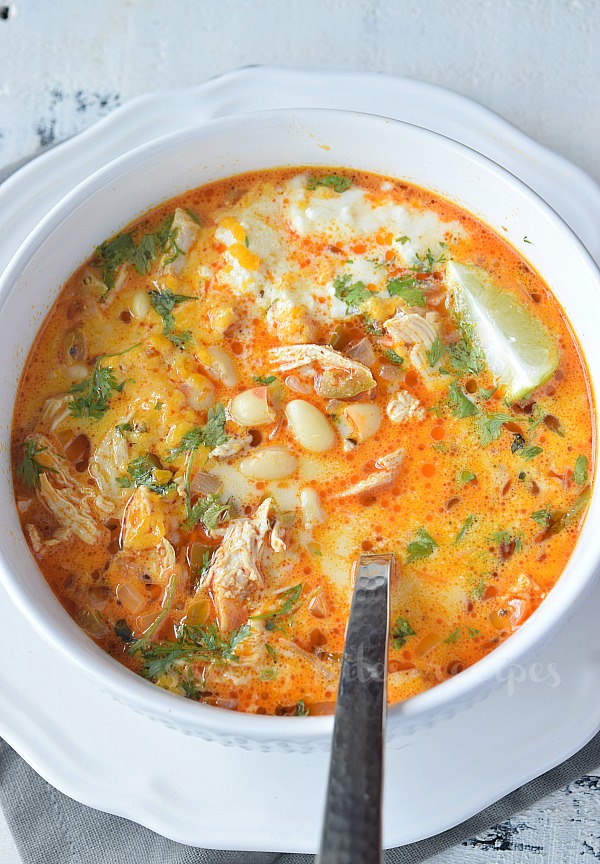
(519, 350)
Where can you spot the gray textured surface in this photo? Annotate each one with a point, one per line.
(352, 826)
(67, 63)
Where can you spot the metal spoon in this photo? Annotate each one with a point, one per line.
(352, 825)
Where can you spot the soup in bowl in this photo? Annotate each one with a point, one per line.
(322, 334)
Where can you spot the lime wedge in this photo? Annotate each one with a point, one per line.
(519, 350)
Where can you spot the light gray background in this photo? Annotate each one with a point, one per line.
(65, 63)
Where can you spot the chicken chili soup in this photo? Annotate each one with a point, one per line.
(270, 375)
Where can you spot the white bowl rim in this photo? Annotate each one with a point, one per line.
(237, 727)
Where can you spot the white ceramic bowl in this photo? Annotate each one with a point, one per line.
(132, 184)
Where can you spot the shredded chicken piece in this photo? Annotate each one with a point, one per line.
(234, 573)
(524, 596)
(55, 412)
(387, 466)
(278, 537)
(376, 480)
(290, 357)
(234, 445)
(154, 565)
(185, 231)
(109, 461)
(410, 329)
(34, 538)
(291, 649)
(72, 503)
(404, 406)
(391, 461)
(144, 520)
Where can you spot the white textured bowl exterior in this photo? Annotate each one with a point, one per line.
(111, 198)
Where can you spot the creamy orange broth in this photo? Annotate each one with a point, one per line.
(457, 510)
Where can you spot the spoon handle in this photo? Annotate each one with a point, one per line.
(352, 825)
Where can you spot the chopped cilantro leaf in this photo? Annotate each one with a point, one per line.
(29, 468)
(465, 527)
(394, 358)
(463, 407)
(164, 301)
(352, 293)
(508, 542)
(453, 637)
(92, 395)
(421, 547)
(331, 181)
(466, 358)
(408, 289)
(199, 644)
(400, 632)
(264, 379)
(473, 633)
(543, 517)
(580, 473)
(208, 509)
(436, 351)
(123, 250)
(529, 453)
(426, 263)
(372, 326)
(301, 710)
(289, 601)
(478, 589)
(490, 427)
(142, 472)
(202, 569)
(466, 477)
(111, 255)
(404, 239)
(211, 435)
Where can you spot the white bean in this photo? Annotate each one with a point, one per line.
(309, 426)
(222, 367)
(365, 417)
(140, 304)
(251, 408)
(269, 463)
(312, 512)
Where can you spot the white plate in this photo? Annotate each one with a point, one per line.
(208, 795)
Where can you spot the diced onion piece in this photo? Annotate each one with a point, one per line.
(298, 386)
(269, 463)
(317, 606)
(129, 597)
(365, 417)
(251, 408)
(221, 366)
(205, 484)
(92, 623)
(361, 351)
(309, 426)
